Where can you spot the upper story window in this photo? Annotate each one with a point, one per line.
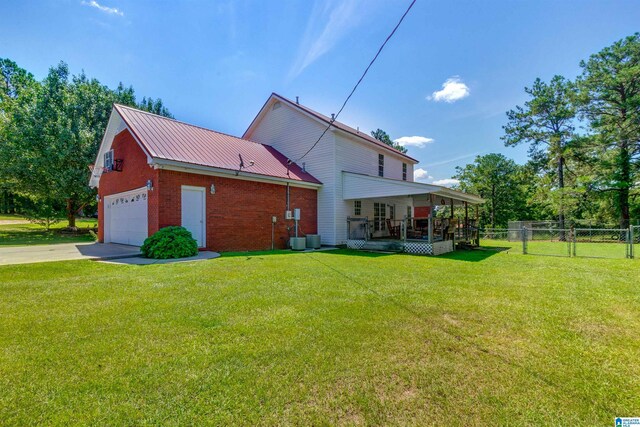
(404, 171)
(380, 164)
(357, 208)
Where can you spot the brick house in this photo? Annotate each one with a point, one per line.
(350, 187)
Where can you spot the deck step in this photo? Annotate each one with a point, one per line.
(382, 246)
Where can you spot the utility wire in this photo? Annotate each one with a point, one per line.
(335, 117)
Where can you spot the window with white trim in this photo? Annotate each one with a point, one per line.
(379, 216)
(381, 165)
(357, 207)
(108, 160)
(404, 171)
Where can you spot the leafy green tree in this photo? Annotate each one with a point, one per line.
(18, 90)
(382, 136)
(503, 184)
(43, 212)
(50, 133)
(610, 101)
(546, 123)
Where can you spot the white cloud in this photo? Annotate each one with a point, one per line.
(106, 9)
(413, 141)
(327, 24)
(452, 90)
(447, 182)
(421, 175)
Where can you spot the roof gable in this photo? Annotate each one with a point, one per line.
(326, 121)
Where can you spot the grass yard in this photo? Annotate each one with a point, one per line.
(33, 234)
(341, 337)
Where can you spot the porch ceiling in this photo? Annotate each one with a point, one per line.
(358, 186)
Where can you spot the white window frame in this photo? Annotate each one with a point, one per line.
(379, 216)
(357, 207)
(108, 160)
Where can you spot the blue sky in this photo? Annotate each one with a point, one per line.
(214, 63)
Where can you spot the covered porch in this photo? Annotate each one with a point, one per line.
(402, 216)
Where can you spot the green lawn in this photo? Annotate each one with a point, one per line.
(33, 234)
(473, 338)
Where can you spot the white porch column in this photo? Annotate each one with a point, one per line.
(430, 228)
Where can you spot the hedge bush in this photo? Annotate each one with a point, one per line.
(170, 242)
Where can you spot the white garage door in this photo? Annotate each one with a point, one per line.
(126, 217)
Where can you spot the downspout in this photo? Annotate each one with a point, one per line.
(288, 197)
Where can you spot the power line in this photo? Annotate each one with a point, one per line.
(335, 117)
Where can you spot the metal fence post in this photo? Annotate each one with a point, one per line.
(575, 240)
(524, 240)
(631, 241)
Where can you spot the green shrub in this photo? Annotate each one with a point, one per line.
(170, 242)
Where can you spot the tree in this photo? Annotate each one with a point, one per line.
(610, 101)
(382, 136)
(546, 122)
(48, 139)
(503, 184)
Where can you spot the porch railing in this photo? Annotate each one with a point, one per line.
(357, 228)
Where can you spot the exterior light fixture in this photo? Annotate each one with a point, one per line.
(149, 185)
(212, 190)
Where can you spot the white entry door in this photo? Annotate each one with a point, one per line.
(193, 213)
(126, 217)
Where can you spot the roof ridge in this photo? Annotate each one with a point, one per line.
(185, 123)
(355, 132)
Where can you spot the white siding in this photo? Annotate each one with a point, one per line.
(362, 158)
(292, 133)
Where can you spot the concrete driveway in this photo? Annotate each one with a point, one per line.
(64, 252)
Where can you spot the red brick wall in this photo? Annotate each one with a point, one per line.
(239, 213)
(135, 173)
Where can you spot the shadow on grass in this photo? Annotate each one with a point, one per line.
(474, 255)
(339, 251)
(24, 236)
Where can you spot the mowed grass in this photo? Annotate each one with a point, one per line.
(34, 234)
(341, 337)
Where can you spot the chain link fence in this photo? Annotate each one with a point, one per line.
(602, 243)
(566, 242)
(547, 241)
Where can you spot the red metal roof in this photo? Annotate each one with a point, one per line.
(169, 139)
(344, 128)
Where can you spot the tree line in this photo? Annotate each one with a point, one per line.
(584, 147)
(50, 131)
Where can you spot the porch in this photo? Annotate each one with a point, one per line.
(400, 216)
